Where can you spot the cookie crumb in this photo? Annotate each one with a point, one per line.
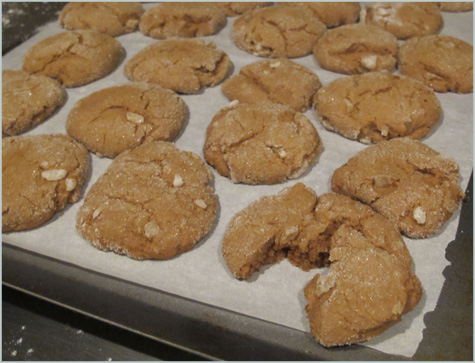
(135, 117)
(54, 174)
(201, 203)
(177, 181)
(419, 215)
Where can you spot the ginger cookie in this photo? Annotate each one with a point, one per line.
(281, 81)
(277, 32)
(28, 100)
(456, 6)
(119, 118)
(378, 106)
(40, 175)
(235, 8)
(186, 20)
(182, 65)
(75, 57)
(442, 62)
(405, 20)
(111, 18)
(153, 202)
(356, 48)
(412, 185)
(261, 143)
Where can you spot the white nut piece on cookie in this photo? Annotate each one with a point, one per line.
(135, 117)
(71, 184)
(151, 229)
(369, 61)
(177, 181)
(54, 174)
(201, 203)
(419, 215)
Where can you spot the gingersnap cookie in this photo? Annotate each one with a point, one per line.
(277, 32)
(74, 57)
(332, 14)
(356, 48)
(455, 6)
(182, 65)
(111, 18)
(28, 100)
(236, 8)
(405, 19)
(377, 106)
(185, 20)
(281, 81)
(261, 143)
(442, 62)
(153, 202)
(40, 175)
(119, 118)
(409, 183)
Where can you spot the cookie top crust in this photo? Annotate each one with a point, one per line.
(442, 62)
(281, 80)
(277, 32)
(182, 65)
(119, 118)
(75, 57)
(377, 106)
(153, 202)
(406, 181)
(28, 100)
(185, 20)
(41, 174)
(455, 6)
(261, 143)
(356, 48)
(111, 18)
(235, 8)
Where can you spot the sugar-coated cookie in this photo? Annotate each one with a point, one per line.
(456, 6)
(235, 8)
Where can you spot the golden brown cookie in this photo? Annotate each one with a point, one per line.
(111, 18)
(356, 48)
(182, 65)
(377, 106)
(456, 6)
(28, 100)
(74, 57)
(153, 202)
(277, 32)
(282, 81)
(261, 143)
(409, 183)
(442, 62)
(236, 8)
(40, 176)
(119, 118)
(405, 19)
(185, 20)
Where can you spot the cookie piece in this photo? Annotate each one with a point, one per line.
(236, 8)
(332, 14)
(111, 18)
(182, 65)
(261, 143)
(356, 48)
(153, 202)
(405, 20)
(185, 20)
(28, 100)
(455, 6)
(362, 295)
(40, 175)
(75, 57)
(277, 32)
(119, 118)
(377, 106)
(281, 81)
(442, 62)
(409, 183)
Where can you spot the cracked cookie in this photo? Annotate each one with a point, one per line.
(182, 65)
(356, 48)
(185, 20)
(377, 106)
(40, 175)
(261, 143)
(405, 20)
(75, 57)
(282, 81)
(236, 8)
(28, 100)
(119, 118)
(153, 202)
(111, 18)
(442, 62)
(277, 32)
(456, 6)
(412, 185)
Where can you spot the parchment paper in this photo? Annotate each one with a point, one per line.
(276, 293)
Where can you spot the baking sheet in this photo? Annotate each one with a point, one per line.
(276, 293)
